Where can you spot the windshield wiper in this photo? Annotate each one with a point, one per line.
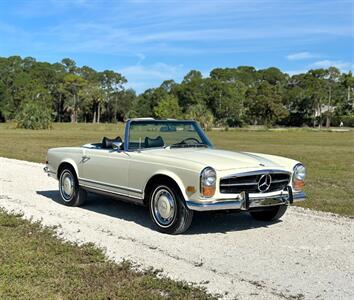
(183, 145)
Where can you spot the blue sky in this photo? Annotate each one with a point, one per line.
(149, 41)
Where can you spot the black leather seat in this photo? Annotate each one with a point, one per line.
(151, 143)
(108, 143)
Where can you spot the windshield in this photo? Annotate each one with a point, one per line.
(163, 134)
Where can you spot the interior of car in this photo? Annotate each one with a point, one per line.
(152, 143)
(108, 143)
(147, 142)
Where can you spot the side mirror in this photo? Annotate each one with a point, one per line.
(117, 146)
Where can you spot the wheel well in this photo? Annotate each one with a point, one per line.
(65, 165)
(158, 179)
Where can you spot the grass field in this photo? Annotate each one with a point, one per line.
(328, 156)
(36, 265)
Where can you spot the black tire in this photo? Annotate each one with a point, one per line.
(181, 218)
(270, 214)
(74, 196)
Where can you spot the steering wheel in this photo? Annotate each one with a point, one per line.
(190, 139)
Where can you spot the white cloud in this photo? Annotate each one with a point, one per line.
(141, 77)
(141, 57)
(205, 73)
(158, 70)
(295, 72)
(326, 63)
(233, 34)
(300, 56)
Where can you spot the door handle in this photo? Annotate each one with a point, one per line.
(85, 158)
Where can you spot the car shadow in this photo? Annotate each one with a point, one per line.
(225, 221)
(206, 222)
(108, 206)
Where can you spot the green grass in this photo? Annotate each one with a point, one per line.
(36, 265)
(32, 145)
(328, 156)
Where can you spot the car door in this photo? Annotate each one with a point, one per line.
(105, 170)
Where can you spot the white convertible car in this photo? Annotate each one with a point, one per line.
(172, 167)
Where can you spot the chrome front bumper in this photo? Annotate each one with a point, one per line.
(246, 201)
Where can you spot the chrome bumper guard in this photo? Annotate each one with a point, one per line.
(49, 173)
(245, 201)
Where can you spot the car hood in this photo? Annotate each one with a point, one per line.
(227, 160)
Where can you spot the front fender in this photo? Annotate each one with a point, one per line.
(173, 176)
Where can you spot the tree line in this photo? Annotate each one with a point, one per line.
(32, 91)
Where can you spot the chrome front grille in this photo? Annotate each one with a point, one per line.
(250, 183)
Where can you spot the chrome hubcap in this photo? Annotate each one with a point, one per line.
(164, 207)
(67, 186)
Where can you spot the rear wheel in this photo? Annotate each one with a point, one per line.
(70, 191)
(168, 210)
(270, 214)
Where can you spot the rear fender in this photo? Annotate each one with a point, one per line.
(70, 162)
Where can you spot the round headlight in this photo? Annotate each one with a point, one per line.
(208, 182)
(299, 177)
(299, 172)
(208, 177)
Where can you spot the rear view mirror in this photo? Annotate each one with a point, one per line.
(167, 129)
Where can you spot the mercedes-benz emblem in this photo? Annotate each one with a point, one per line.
(264, 183)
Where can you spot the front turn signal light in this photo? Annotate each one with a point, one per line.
(299, 185)
(208, 191)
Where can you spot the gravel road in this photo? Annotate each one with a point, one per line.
(307, 255)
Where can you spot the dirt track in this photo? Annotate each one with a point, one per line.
(306, 255)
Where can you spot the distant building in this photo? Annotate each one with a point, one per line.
(324, 108)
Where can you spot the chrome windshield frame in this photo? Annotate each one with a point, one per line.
(195, 125)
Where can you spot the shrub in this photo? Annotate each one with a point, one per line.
(348, 121)
(34, 115)
(201, 114)
(168, 107)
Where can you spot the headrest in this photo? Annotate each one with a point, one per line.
(107, 143)
(150, 143)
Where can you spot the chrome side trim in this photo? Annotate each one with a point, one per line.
(110, 192)
(111, 185)
(257, 172)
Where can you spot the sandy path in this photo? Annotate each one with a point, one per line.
(307, 255)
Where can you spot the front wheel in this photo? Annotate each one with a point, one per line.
(70, 191)
(168, 210)
(270, 214)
